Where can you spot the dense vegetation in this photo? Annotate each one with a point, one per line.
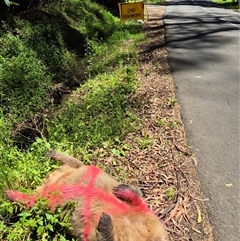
(233, 4)
(67, 77)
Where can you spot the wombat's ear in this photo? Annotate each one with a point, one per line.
(105, 228)
(128, 194)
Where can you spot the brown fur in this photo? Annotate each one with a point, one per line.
(136, 224)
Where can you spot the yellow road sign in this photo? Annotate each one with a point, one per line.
(131, 11)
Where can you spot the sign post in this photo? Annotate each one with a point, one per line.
(131, 11)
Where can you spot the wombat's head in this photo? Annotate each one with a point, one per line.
(141, 228)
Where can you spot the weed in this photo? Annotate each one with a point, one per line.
(170, 193)
(145, 142)
(172, 102)
(161, 122)
(173, 124)
(118, 153)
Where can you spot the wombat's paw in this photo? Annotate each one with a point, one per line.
(23, 198)
(11, 195)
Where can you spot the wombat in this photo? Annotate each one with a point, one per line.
(106, 210)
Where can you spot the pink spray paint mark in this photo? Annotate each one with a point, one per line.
(92, 173)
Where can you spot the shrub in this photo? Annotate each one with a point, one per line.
(24, 82)
(37, 223)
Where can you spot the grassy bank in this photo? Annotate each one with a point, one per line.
(233, 4)
(67, 80)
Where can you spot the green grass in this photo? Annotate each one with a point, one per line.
(161, 122)
(228, 3)
(33, 58)
(99, 111)
(145, 142)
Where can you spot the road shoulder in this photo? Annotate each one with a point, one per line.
(169, 164)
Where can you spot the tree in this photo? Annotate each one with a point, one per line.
(111, 5)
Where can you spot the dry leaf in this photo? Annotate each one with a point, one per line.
(172, 213)
(179, 213)
(199, 219)
(196, 230)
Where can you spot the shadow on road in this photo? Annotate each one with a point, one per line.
(198, 3)
(201, 31)
(197, 27)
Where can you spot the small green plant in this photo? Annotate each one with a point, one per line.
(170, 193)
(161, 122)
(145, 142)
(172, 102)
(173, 124)
(117, 152)
(120, 150)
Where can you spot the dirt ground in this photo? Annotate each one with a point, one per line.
(164, 167)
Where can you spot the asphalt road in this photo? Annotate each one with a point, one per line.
(203, 42)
